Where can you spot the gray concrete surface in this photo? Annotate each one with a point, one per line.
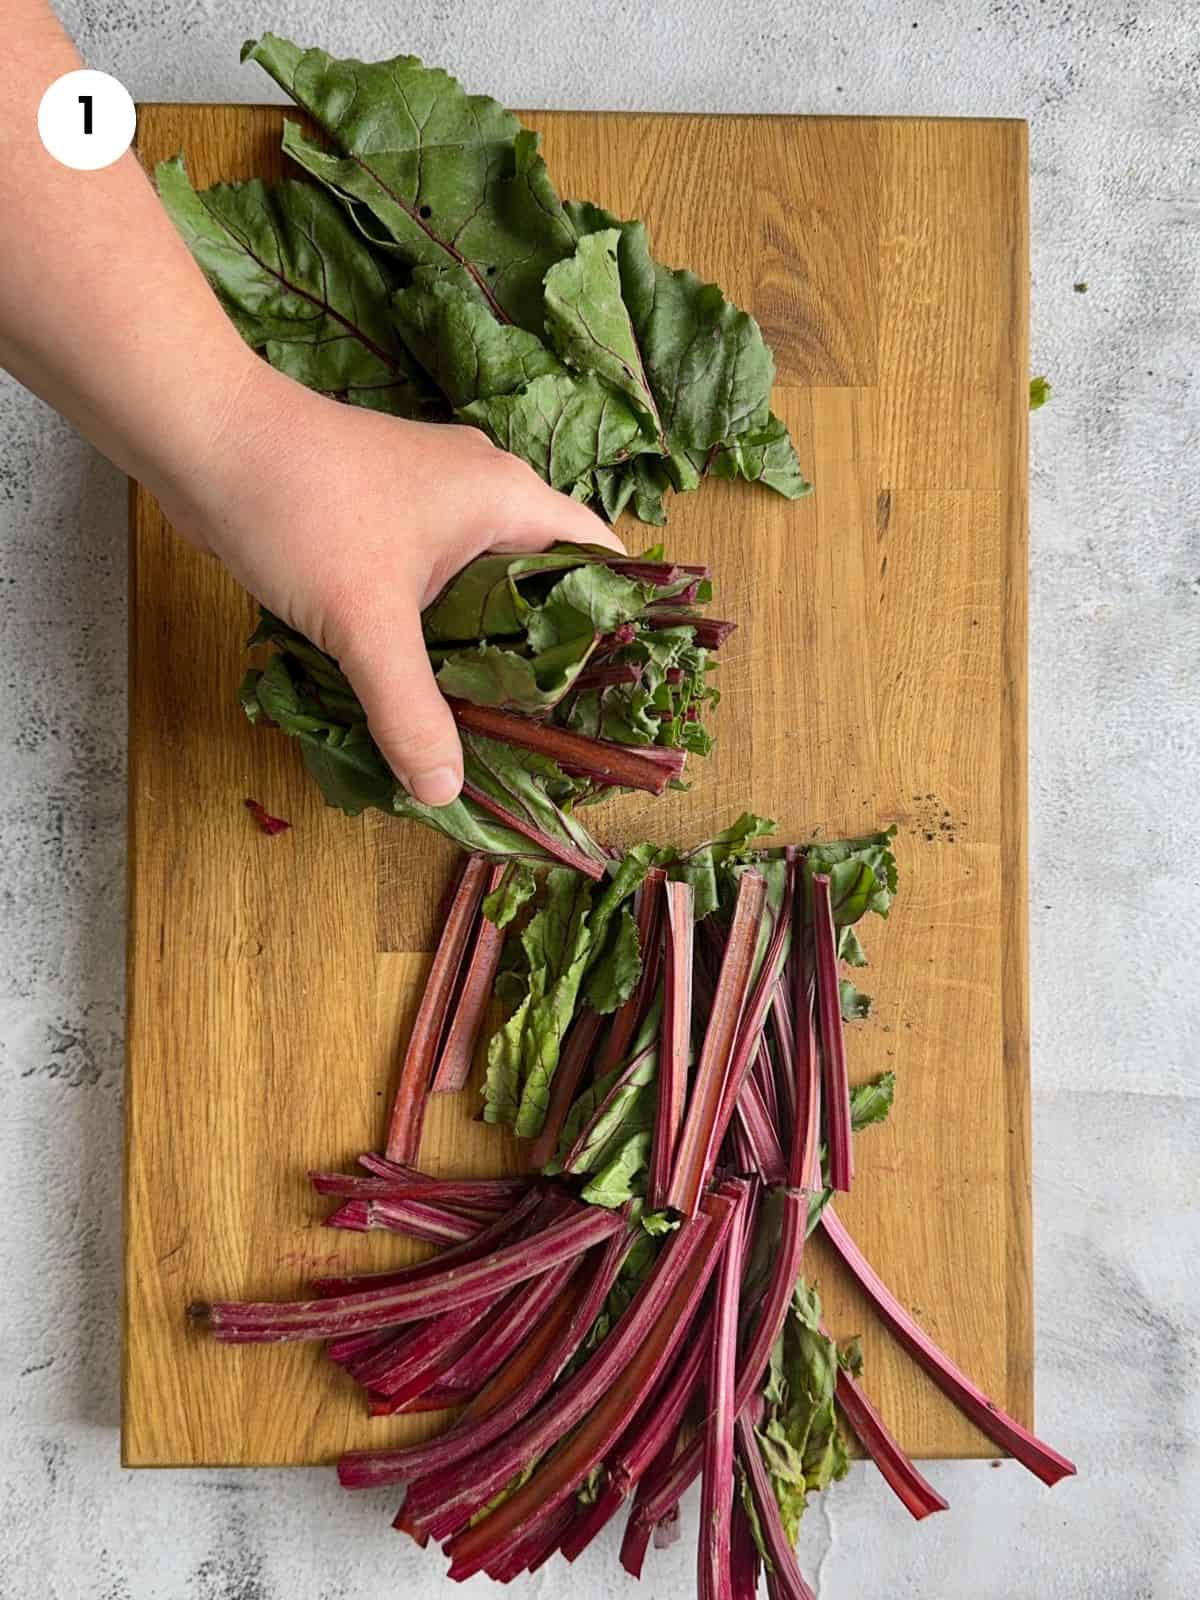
(1112, 92)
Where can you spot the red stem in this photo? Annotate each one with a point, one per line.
(408, 1111)
(444, 1503)
(603, 760)
(610, 1405)
(805, 1157)
(510, 1396)
(572, 1063)
(473, 1250)
(470, 1008)
(660, 1495)
(1044, 1462)
(630, 1013)
(417, 1219)
(836, 1084)
(699, 1140)
(710, 634)
(788, 1577)
(915, 1493)
(511, 1328)
(744, 1560)
(756, 1123)
(754, 1017)
(567, 854)
(267, 1321)
(716, 1494)
(675, 1041)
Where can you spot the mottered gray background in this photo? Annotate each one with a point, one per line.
(1112, 94)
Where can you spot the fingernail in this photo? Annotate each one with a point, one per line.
(435, 788)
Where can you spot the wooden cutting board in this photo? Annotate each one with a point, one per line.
(878, 676)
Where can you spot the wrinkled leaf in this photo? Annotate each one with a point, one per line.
(871, 1102)
(301, 286)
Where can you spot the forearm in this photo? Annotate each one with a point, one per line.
(102, 310)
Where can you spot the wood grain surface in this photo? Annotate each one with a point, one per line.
(878, 676)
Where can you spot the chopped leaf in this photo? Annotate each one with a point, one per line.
(871, 1102)
(1039, 392)
(856, 1006)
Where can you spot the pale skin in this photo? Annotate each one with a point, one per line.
(343, 521)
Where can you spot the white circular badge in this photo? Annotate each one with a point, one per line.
(86, 120)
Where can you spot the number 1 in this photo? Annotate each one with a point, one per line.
(85, 100)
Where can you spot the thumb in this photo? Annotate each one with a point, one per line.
(533, 515)
(408, 718)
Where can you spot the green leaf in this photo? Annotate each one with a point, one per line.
(708, 366)
(301, 286)
(460, 343)
(588, 323)
(802, 1447)
(871, 1102)
(856, 1006)
(862, 874)
(768, 457)
(516, 888)
(699, 866)
(563, 426)
(850, 1356)
(849, 948)
(442, 178)
(613, 978)
(1039, 392)
(616, 1181)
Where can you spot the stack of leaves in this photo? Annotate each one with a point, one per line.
(431, 270)
(607, 1355)
(570, 674)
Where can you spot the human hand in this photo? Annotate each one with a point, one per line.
(347, 523)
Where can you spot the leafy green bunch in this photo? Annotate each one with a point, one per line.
(431, 270)
(575, 656)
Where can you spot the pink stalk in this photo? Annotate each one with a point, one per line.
(763, 1069)
(743, 1559)
(645, 1441)
(788, 1577)
(636, 1539)
(915, 1493)
(710, 634)
(417, 1218)
(346, 1351)
(836, 1087)
(1002, 1429)
(408, 1111)
(607, 677)
(659, 1495)
(603, 760)
(510, 1329)
(444, 1503)
(575, 1058)
(804, 1162)
(536, 1548)
(369, 1469)
(439, 1398)
(480, 1193)
(675, 1041)
(412, 1366)
(267, 1321)
(755, 1119)
(470, 1008)
(473, 1250)
(699, 1140)
(611, 1402)
(547, 845)
(716, 1494)
(754, 1018)
(630, 1013)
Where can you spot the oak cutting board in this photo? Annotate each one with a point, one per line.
(878, 676)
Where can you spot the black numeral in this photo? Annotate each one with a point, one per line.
(85, 100)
